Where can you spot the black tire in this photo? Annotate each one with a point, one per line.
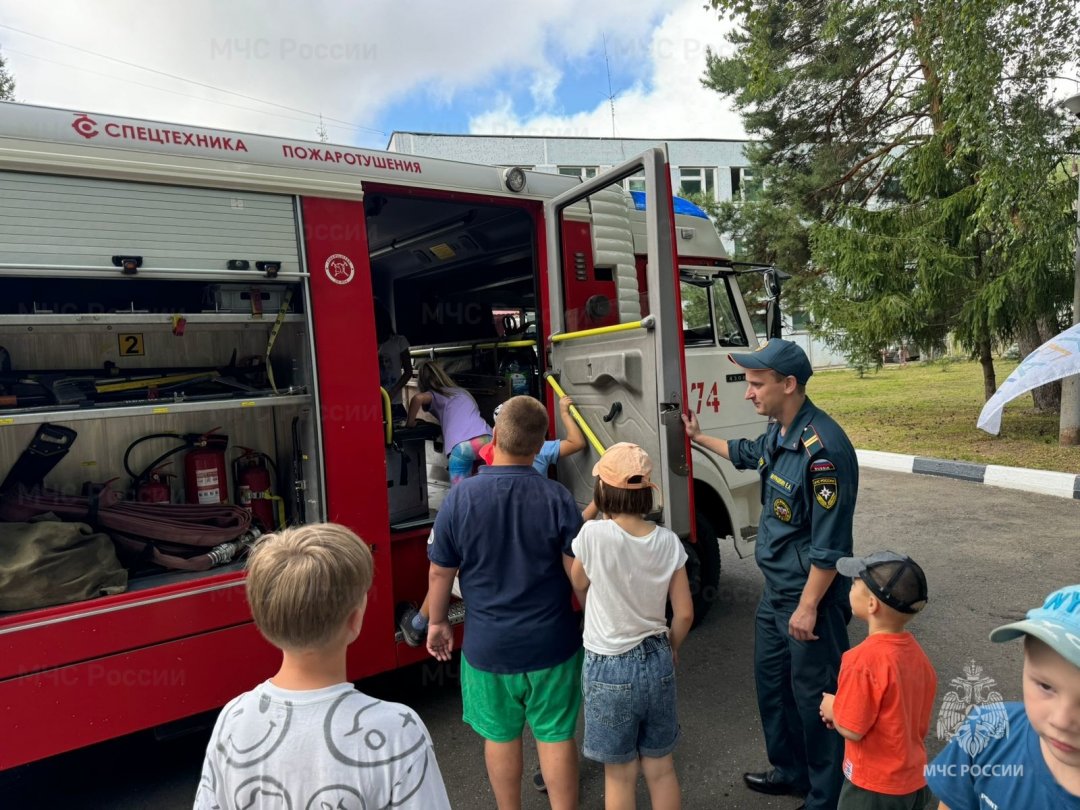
(703, 568)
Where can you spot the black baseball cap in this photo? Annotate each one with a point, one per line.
(895, 579)
(782, 356)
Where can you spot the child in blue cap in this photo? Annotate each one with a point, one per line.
(1023, 755)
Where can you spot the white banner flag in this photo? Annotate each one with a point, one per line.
(1058, 357)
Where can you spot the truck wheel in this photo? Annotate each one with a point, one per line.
(703, 568)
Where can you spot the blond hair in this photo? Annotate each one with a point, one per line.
(522, 426)
(303, 582)
(433, 377)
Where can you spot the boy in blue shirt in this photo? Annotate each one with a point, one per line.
(508, 531)
(413, 622)
(1027, 755)
(552, 449)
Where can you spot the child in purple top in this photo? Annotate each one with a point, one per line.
(464, 434)
(464, 430)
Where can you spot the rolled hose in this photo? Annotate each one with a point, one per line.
(136, 525)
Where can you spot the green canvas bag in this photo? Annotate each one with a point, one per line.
(48, 562)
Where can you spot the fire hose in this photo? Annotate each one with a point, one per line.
(159, 533)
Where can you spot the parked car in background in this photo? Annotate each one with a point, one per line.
(899, 354)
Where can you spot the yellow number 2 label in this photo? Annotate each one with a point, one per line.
(131, 345)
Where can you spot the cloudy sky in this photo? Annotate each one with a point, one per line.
(372, 67)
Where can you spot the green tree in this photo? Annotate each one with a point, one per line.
(909, 151)
(7, 82)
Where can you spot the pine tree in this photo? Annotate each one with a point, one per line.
(7, 82)
(911, 156)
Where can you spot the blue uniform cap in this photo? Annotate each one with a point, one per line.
(782, 356)
(1057, 623)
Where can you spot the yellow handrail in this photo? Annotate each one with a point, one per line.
(648, 322)
(387, 417)
(509, 344)
(574, 412)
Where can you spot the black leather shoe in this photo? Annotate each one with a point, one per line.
(769, 783)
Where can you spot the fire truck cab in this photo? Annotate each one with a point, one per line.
(187, 315)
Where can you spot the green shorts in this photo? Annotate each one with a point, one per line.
(498, 706)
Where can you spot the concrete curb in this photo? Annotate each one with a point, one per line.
(1044, 482)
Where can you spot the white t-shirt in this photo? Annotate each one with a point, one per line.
(334, 747)
(629, 579)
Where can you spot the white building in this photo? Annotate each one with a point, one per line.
(716, 167)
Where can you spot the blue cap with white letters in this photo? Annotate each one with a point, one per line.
(1057, 623)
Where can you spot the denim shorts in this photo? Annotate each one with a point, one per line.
(630, 703)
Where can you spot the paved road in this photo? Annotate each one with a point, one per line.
(989, 555)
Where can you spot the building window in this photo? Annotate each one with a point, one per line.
(581, 172)
(697, 180)
(800, 320)
(635, 183)
(744, 185)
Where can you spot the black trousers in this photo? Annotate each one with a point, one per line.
(790, 676)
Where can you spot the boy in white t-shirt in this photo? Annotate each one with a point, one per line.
(307, 737)
(630, 567)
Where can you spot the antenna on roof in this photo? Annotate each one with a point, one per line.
(611, 96)
(320, 130)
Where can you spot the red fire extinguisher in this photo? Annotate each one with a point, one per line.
(154, 488)
(205, 471)
(253, 476)
(205, 477)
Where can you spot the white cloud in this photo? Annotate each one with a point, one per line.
(545, 86)
(347, 61)
(669, 102)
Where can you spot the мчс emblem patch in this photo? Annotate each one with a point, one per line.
(825, 491)
(781, 509)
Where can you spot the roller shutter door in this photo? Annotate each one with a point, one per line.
(48, 221)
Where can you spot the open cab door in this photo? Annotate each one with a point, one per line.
(615, 342)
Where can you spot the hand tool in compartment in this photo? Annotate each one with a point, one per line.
(49, 445)
(111, 385)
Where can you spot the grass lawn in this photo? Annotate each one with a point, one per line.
(930, 410)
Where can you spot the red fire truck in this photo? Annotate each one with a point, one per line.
(187, 317)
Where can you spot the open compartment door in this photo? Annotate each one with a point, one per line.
(615, 342)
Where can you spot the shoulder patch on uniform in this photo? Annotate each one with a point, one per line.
(782, 510)
(826, 492)
(821, 465)
(761, 461)
(811, 441)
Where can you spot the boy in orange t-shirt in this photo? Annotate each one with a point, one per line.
(885, 692)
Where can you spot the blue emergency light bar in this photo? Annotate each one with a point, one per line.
(681, 206)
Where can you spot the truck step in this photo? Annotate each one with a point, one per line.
(455, 613)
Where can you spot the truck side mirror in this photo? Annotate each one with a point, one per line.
(774, 279)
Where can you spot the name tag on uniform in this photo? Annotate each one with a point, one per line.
(787, 486)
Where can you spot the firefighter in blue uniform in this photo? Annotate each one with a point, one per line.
(809, 481)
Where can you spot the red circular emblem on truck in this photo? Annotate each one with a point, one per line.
(85, 126)
(339, 268)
